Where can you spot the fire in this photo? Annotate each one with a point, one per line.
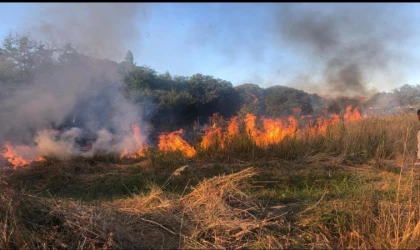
(352, 115)
(216, 135)
(250, 125)
(19, 155)
(233, 126)
(129, 154)
(322, 125)
(212, 136)
(173, 142)
(274, 130)
(141, 149)
(269, 131)
(335, 119)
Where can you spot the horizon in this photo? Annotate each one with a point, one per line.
(237, 42)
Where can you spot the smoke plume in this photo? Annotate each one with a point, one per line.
(80, 98)
(101, 29)
(73, 102)
(351, 42)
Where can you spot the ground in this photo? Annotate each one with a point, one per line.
(315, 202)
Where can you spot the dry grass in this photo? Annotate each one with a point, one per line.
(217, 214)
(341, 190)
(366, 222)
(376, 138)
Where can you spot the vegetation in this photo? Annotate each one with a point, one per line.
(342, 187)
(179, 100)
(341, 190)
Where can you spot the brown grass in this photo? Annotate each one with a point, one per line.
(340, 190)
(216, 214)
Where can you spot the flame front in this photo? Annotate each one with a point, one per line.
(352, 115)
(233, 127)
(141, 149)
(173, 142)
(19, 155)
(216, 135)
(274, 131)
(322, 124)
(212, 136)
(270, 131)
(250, 125)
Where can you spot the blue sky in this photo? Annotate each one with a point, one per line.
(232, 41)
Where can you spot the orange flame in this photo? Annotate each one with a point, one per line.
(322, 125)
(352, 115)
(233, 126)
(250, 125)
(216, 135)
(129, 153)
(173, 142)
(274, 130)
(212, 136)
(18, 156)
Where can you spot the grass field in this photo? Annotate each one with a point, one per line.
(344, 188)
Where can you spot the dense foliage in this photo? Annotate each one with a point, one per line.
(180, 100)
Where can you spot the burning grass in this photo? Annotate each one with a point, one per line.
(173, 142)
(335, 188)
(250, 139)
(263, 133)
(20, 155)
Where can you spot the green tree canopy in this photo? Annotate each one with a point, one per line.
(280, 101)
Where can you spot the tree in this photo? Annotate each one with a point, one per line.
(129, 58)
(318, 104)
(138, 80)
(205, 88)
(181, 78)
(339, 104)
(166, 76)
(251, 96)
(44, 61)
(281, 101)
(17, 57)
(213, 95)
(382, 100)
(408, 95)
(69, 55)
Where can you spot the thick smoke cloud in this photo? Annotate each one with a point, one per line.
(350, 41)
(75, 101)
(81, 100)
(101, 29)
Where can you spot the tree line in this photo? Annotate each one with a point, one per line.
(180, 100)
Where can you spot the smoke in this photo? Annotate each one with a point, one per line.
(76, 101)
(49, 143)
(101, 29)
(351, 42)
